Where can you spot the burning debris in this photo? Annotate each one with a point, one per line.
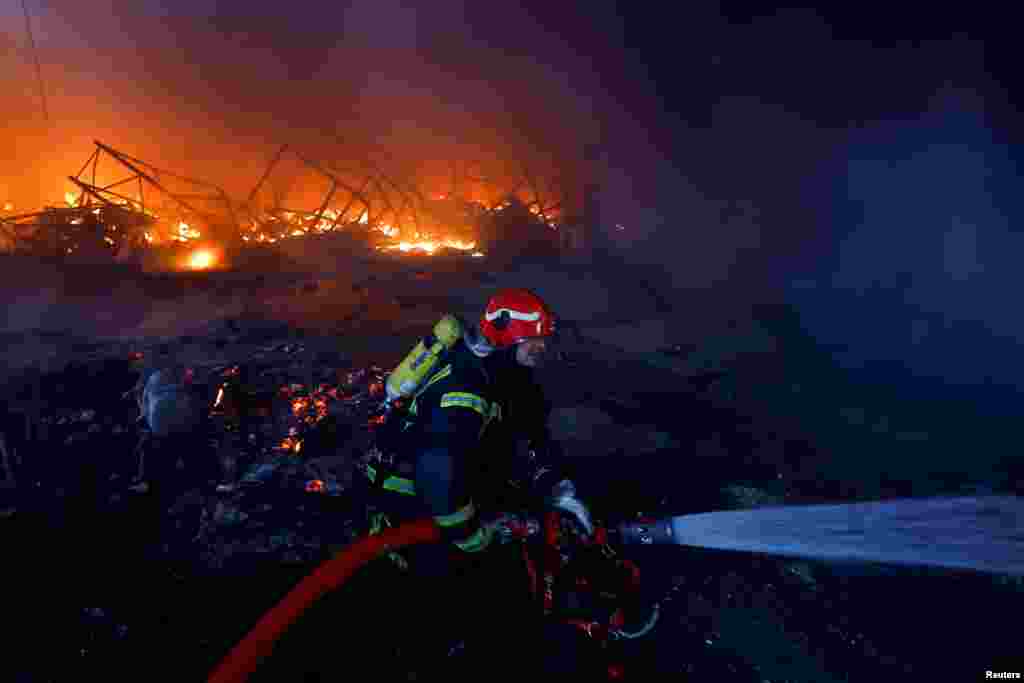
(78, 233)
(282, 426)
(108, 217)
(282, 478)
(122, 208)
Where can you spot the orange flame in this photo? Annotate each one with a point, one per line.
(202, 259)
(429, 246)
(185, 233)
(292, 443)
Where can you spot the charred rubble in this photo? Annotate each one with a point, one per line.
(286, 420)
(173, 581)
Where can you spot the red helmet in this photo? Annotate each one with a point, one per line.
(513, 315)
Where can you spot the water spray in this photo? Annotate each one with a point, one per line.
(977, 533)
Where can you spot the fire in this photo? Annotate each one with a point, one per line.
(185, 233)
(309, 406)
(430, 246)
(388, 230)
(293, 224)
(8, 206)
(201, 259)
(278, 225)
(292, 443)
(299, 406)
(261, 238)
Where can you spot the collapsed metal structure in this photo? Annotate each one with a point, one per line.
(122, 216)
(146, 206)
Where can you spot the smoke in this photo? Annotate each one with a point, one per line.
(768, 114)
(920, 268)
(211, 89)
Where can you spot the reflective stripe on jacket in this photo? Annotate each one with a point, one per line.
(441, 437)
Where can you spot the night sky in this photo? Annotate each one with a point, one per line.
(854, 153)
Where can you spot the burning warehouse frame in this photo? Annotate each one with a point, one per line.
(473, 212)
(123, 208)
(118, 218)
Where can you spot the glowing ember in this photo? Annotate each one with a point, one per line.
(8, 207)
(299, 406)
(429, 246)
(201, 259)
(292, 443)
(186, 233)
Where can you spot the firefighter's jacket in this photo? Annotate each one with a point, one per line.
(459, 433)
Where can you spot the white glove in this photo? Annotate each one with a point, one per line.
(563, 497)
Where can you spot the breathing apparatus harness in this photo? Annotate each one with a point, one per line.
(562, 552)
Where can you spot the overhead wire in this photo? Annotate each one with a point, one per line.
(35, 59)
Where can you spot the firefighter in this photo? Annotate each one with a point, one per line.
(478, 417)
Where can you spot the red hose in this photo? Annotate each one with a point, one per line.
(243, 659)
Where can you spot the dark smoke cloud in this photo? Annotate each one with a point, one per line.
(919, 271)
(212, 88)
(717, 133)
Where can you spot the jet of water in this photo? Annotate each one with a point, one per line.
(979, 533)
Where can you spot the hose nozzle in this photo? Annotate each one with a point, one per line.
(657, 532)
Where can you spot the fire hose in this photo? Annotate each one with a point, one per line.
(246, 656)
(259, 643)
(988, 525)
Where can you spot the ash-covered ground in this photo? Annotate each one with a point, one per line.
(666, 401)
